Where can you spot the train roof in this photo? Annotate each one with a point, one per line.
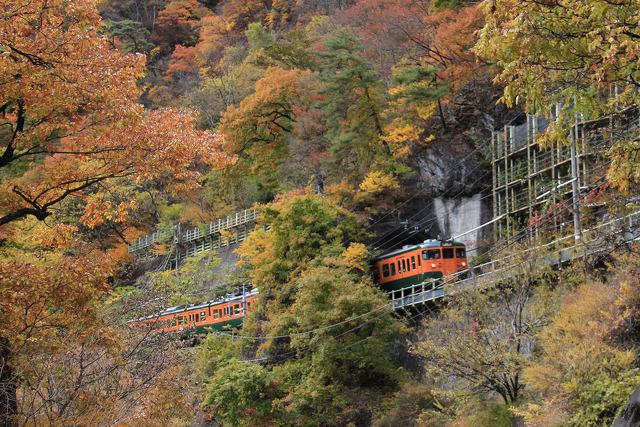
(196, 306)
(431, 243)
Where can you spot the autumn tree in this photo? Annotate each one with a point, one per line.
(580, 54)
(414, 98)
(178, 23)
(85, 126)
(74, 140)
(439, 37)
(310, 278)
(482, 340)
(586, 364)
(258, 130)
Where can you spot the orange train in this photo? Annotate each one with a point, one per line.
(415, 264)
(218, 314)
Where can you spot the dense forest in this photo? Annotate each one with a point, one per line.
(121, 117)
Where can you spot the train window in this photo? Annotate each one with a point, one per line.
(404, 267)
(393, 268)
(385, 270)
(236, 309)
(431, 254)
(413, 262)
(460, 253)
(216, 314)
(419, 262)
(447, 253)
(203, 316)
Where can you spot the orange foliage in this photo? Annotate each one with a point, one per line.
(443, 39)
(178, 23)
(71, 106)
(257, 128)
(181, 64)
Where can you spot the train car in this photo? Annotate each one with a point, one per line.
(217, 315)
(415, 264)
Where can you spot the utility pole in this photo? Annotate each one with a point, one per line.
(575, 184)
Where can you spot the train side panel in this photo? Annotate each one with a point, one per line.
(199, 319)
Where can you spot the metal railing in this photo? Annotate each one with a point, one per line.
(195, 234)
(146, 241)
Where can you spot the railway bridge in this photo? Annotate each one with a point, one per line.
(599, 240)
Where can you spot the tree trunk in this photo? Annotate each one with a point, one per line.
(8, 399)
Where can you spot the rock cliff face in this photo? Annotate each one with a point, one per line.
(453, 182)
(457, 217)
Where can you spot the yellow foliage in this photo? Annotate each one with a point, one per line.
(227, 235)
(340, 192)
(403, 136)
(356, 256)
(401, 132)
(377, 182)
(425, 111)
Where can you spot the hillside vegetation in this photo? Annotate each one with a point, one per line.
(119, 117)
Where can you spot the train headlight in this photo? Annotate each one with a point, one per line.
(464, 264)
(433, 266)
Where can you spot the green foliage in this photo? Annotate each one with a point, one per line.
(417, 84)
(188, 283)
(600, 400)
(258, 37)
(240, 393)
(293, 50)
(353, 101)
(307, 281)
(130, 36)
(224, 89)
(582, 54)
(448, 4)
(487, 414)
(303, 228)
